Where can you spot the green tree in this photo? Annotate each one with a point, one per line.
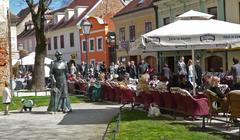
(38, 18)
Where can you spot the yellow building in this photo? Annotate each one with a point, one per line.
(137, 18)
(211, 60)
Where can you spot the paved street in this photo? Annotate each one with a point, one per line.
(88, 121)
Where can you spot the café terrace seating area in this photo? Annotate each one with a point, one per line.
(175, 102)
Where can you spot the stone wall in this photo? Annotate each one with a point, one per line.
(4, 63)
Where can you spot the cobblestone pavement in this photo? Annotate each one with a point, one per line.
(88, 121)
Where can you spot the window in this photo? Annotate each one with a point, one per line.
(84, 45)
(71, 39)
(122, 34)
(213, 11)
(55, 42)
(49, 43)
(99, 43)
(62, 41)
(148, 27)
(132, 33)
(166, 20)
(91, 44)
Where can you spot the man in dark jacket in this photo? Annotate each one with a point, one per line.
(142, 67)
(198, 70)
(133, 70)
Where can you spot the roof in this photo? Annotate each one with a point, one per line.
(14, 19)
(24, 12)
(134, 6)
(73, 21)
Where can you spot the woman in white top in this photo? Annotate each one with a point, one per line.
(190, 71)
(73, 69)
(6, 97)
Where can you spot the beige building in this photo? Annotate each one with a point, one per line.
(137, 18)
(211, 60)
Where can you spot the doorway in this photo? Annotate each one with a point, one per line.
(214, 64)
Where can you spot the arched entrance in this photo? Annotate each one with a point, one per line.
(214, 64)
(152, 62)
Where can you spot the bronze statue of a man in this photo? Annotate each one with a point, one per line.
(60, 98)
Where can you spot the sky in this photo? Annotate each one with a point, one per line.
(18, 5)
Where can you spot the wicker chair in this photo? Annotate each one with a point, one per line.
(234, 104)
(213, 109)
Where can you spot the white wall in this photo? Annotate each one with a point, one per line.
(67, 50)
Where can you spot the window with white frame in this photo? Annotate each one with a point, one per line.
(71, 39)
(49, 43)
(99, 43)
(62, 41)
(91, 44)
(166, 20)
(84, 45)
(132, 36)
(122, 34)
(55, 42)
(148, 26)
(213, 11)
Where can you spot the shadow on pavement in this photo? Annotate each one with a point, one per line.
(89, 116)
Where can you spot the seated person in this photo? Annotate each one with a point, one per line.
(163, 83)
(143, 83)
(217, 88)
(173, 82)
(184, 83)
(27, 104)
(154, 82)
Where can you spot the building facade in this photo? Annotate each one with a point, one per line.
(98, 46)
(63, 32)
(137, 18)
(211, 60)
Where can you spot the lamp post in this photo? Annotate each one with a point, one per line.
(86, 26)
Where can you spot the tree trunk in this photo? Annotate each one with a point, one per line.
(38, 80)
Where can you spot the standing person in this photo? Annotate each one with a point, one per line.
(6, 97)
(235, 71)
(82, 68)
(128, 67)
(166, 72)
(133, 70)
(103, 67)
(58, 72)
(116, 66)
(112, 68)
(198, 70)
(190, 71)
(142, 67)
(181, 67)
(73, 69)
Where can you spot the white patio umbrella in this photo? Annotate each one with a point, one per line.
(193, 30)
(30, 59)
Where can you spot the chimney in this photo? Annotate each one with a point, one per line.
(28, 25)
(78, 10)
(58, 16)
(68, 14)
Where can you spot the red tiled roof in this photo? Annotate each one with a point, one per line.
(73, 21)
(135, 6)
